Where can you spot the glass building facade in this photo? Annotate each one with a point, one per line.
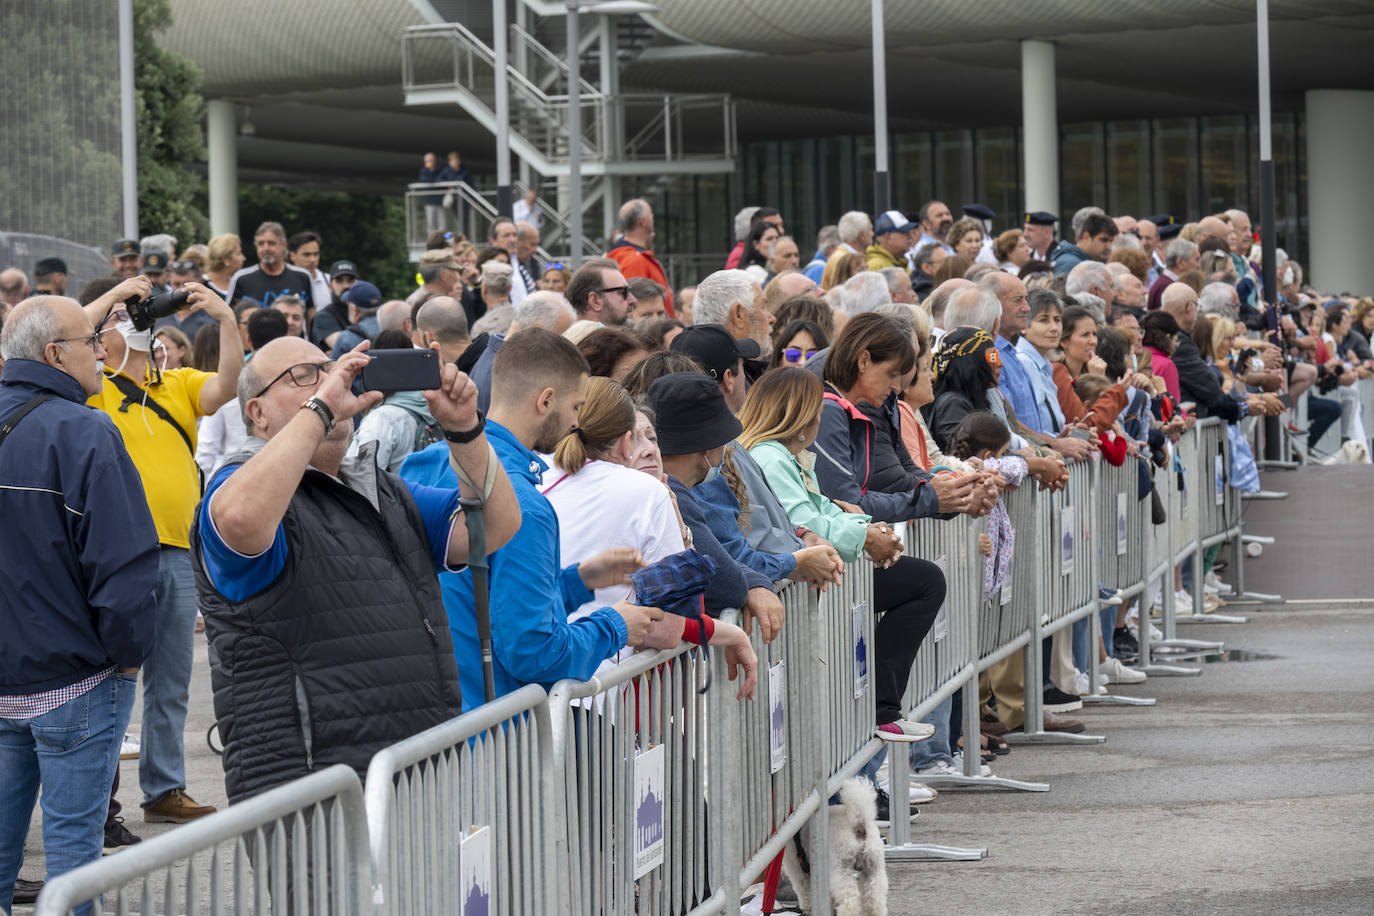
(1188, 167)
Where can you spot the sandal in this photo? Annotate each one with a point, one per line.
(994, 745)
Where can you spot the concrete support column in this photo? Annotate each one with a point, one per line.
(221, 134)
(1340, 133)
(1040, 126)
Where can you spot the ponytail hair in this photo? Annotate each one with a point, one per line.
(607, 414)
(978, 431)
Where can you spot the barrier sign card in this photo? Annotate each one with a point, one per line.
(474, 856)
(777, 718)
(649, 794)
(1066, 519)
(1121, 524)
(860, 611)
(1220, 480)
(941, 626)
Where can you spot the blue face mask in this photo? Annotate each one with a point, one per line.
(713, 470)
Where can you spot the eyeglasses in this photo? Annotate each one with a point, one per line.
(92, 341)
(797, 355)
(623, 290)
(303, 375)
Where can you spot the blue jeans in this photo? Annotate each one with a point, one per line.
(937, 747)
(72, 752)
(167, 678)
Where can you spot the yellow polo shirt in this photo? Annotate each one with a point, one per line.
(171, 480)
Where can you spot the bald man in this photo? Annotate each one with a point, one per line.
(632, 250)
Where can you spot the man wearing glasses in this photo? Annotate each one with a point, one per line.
(599, 292)
(156, 413)
(317, 571)
(77, 599)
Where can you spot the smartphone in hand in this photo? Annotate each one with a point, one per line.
(401, 370)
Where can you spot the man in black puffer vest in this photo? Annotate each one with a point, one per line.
(317, 575)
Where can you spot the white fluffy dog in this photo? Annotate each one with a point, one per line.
(1352, 452)
(858, 872)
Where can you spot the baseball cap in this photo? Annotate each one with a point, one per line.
(893, 221)
(123, 247)
(713, 347)
(439, 257)
(343, 269)
(364, 295)
(692, 415)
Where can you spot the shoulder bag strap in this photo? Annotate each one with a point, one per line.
(13, 419)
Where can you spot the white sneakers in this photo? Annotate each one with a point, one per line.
(905, 730)
(1080, 684)
(983, 768)
(1117, 673)
(919, 794)
(128, 748)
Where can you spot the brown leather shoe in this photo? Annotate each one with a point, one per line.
(26, 892)
(176, 807)
(1055, 723)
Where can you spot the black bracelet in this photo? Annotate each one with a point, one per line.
(467, 436)
(321, 410)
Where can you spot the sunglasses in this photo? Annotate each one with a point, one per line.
(623, 290)
(554, 266)
(797, 355)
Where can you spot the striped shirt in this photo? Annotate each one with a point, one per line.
(36, 704)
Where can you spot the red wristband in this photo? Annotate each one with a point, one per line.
(692, 630)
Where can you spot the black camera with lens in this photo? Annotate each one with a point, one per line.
(144, 312)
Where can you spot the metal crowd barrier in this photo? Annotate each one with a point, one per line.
(300, 848)
(466, 809)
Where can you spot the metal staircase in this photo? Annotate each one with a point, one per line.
(641, 134)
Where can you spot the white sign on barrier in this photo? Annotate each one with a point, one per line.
(1220, 482)
(1006, 589)
(860, 611)
(474, 856)
(777, 718)
(1120, 524)
(649, 794)
(940, 628)
(1066, 540)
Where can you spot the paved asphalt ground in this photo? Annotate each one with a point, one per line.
(1246, 790)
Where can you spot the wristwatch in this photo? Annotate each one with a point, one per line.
(467, 436)
(321, 410)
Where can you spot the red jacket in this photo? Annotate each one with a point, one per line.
(640, 262)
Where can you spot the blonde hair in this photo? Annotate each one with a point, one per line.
(221, 247)
(1223, 328)
(1089, 387)
(780, 406)
(606, 415)
(842, 265)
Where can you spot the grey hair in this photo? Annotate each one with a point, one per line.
(900, 314)
(631, 213)
(1126, 240)
(288, 299)
(1215, 299)
(162, 243)
(1178, 250)
(1118, 270)
(827, 238)
(1081, 217)
(495, 278)
(782, 238)
(853, 225)
(718, 292)
(1119, 280)
(542, 309)
(27, 336)
(1095, 304)
(893, 276)
(392, 316)
(1086, 275)
(744, 221)
(973, 307)
(250, 383)
(864, 292)
(926, 253)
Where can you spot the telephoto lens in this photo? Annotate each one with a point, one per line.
(144, 313)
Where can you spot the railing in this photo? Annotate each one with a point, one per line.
(636, 792)
(669, 121)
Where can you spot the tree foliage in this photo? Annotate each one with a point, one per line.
(171, 193)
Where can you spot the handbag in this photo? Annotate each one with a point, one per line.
(1242, 472)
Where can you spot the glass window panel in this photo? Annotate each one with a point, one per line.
(998, 177)
(863, 174)
(912, 160)
(953, 168)
(1082, 180)
(835, 173)
(1223, 164)
(1128, 172)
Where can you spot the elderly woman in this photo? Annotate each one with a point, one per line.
(1011, 251)
(781, 417)
(966, 238)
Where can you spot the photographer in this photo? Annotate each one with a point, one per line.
(155, 412)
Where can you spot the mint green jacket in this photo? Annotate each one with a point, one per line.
(795, 486)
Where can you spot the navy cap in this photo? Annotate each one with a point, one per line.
(123, 247)
(48, 266)
(978, 211)
(364, 295)
(691, 414)
(713, 347)
(1169, 230)
(343, 269)
(154, 262)
(893, 221)
(1162, 220)
(1041, 218)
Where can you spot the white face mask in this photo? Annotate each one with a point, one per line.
(712, 470)
(142, 341)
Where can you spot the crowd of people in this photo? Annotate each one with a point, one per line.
(633, 460)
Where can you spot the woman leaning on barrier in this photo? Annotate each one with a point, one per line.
(781, 416)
